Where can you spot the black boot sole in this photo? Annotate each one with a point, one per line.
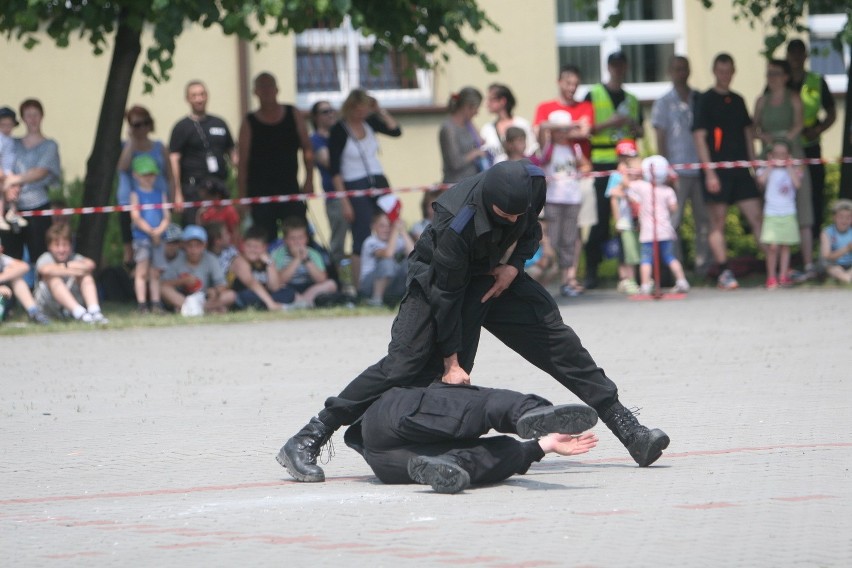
(285, 461)
(649, 451)
(563, 419)
(443, 475)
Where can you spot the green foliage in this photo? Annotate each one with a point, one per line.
(416, 31)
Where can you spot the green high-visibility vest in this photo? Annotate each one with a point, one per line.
(811, 102)
(604, 141)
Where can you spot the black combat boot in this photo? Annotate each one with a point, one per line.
(645, 446)
(564, 419)
(443, 474)
(299, 454)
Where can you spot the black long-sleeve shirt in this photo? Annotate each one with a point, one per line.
(463, 242)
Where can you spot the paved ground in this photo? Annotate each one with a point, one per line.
(155, 447)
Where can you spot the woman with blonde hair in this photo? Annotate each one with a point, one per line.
(353, 162)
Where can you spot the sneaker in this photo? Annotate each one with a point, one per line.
(375, 302)
(680, 287)
(771, 283)
(628, 286)
(39, 318)
(99, 318)
(563, 419)
(647, 289)
(158, 309)
(568, 291)
(4, 226)
(142, 309)
(786, 282)
(14, 220)
(86, 318)
(727, 281)
(444, 475)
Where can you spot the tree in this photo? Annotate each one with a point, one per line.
(416, 31)
(783, 18)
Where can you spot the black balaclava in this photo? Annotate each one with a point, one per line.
(508, 186)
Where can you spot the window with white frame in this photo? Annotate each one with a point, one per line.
(825, 58)
(330, 62)
(650, 32)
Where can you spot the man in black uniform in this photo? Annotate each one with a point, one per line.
(466, 272)
(431, 435)
(198, 148)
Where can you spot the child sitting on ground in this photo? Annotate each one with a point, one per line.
(193, 283)
(301, 267)
(628, 170)
(148, 228)
(780, 229)
(657, 202)
(384, 263)
(836, 243)
(66, 285)
(257, 283)
(12, 283)
(220, 244)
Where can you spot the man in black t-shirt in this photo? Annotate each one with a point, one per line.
(198, 148)
(722, 129)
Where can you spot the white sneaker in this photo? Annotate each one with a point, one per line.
(14, 218)
(647, 289)
(99, 318)
(86, 318)
(681, 286)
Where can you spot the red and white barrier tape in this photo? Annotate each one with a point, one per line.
(381, 191)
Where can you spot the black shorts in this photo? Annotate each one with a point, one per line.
(736, 185)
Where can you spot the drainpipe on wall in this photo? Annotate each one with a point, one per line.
(243, 75)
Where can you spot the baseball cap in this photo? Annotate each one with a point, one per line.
(655, 169)
(841, 205)
(626, 148)
(194, 233)
(6, 112)
(173, 233)
(144, 164)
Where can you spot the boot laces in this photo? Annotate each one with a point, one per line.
(325, 452)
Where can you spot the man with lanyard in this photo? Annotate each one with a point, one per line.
(197, 150)
(815, 96)
(617, 116)
(672, 116)
(466, 273)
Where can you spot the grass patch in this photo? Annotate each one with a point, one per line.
(124, 316)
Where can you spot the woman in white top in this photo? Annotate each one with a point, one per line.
(353, 162)
(501, 103)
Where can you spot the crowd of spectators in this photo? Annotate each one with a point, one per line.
(265, 255)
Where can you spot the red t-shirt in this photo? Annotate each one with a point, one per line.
(582, 109)
(225, 214)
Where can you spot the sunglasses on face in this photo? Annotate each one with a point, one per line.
(140, 124)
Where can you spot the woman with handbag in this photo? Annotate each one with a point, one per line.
(353, 162)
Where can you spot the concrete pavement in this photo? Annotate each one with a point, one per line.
(143, 447)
